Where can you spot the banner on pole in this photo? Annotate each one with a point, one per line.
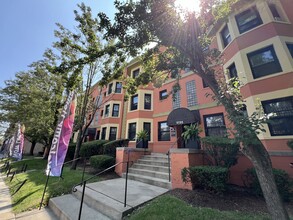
(61, 137)
(18, 144)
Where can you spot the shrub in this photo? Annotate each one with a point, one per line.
(221, 151)
(207, 177)
(290, 144)
(70, 151)
(91, 148)
(102, 161)
(283, 181)
(110, 147)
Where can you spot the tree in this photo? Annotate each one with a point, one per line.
(186, 42)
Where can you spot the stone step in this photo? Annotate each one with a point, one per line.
(155, 158)
(151, 173)
(163, 169)
(149, 180)
(152, 162)
(67, 208)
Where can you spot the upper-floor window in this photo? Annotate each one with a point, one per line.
(163, 94)
(248, 19)
(110, 88)
(135, 73)
(163, 131)
(290, 48)
(232, 71)
(264, 62)
(115, 111)
(112, 133)
(275, 13)
(226, 37)
(282, 120)
(118, 87)
(131, 131)
(191, 93)
(204, 84)
(215, 125)
(134, 102)
(107, 110)
(147, 101)
(102, 112)
(176, 100)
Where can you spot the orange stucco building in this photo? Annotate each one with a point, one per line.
(256, 41)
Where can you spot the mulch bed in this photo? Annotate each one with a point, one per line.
(236, 199)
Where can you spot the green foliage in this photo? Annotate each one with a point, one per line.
(110, 147)
(191, 132)
(207, 177)
(70, 151)
(221, 151)
(91, 148)
(142, 135)
(290, 144)
(102, 161)
(283, 181)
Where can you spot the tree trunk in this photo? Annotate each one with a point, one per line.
(260, 159)
(77, 149)
(32, 147)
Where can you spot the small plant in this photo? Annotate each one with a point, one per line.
(142, 135)
(102, 161)
(207, 177)
(191, 132)
(290, 144)
(283, 181)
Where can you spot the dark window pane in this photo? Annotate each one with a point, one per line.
(102, 111)
(131, 131)
(110, 88)
(134, 102)
(113, 132)
(282, 121)
(264, 62)
(215, 125)
(115, 111)
(232, 71)
(275, 12)
(164, 132)
(163, 94)
(147, 101)
(103, 137)
(135, 73)
(98, 135)
(107, 110)
(118, 87)
(204, 84)
(226, 37)
(290, 48)
(147, 127)
(248, 20)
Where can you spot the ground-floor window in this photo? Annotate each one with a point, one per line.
(282, 121)
(131, 131)
(147, 127)
(163, 131)
(103, 136)
(215, 125)
(113, 133)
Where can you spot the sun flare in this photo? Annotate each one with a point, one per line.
(188, 5)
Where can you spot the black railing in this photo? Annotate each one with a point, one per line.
(168, 153)
(84, 182)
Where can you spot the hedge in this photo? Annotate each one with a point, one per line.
(212, 178)
(110, 147)
(283, 181)
(102, 161)
(70, 151)
(91, 148)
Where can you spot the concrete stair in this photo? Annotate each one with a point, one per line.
(151, 169)
(104, 200)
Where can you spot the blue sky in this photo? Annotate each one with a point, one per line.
(27, 29)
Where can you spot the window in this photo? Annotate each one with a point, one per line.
(110, 88)
(96, 118)
(164, 132)
(147, 127)
(103, 137)
(275, 13)
(115, 111)
(232, 71)
(215, 125)
(191, 93)
(135, 73)
(131, 131)
(264, 62)
(112, 134)
(105, 93)
(163, 94)
(134, 102)
(107, 110)
(226, 37)
(290, 48)
(98, 135)
(176, 100)
(102, 112)
(281, 123)
(204, 84)
(248, 20)
(118, 87)
(147, 101)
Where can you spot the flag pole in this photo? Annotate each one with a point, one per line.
(48, 176)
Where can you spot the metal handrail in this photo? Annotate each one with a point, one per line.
(168, 153)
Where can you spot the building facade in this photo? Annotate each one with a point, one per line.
(256, 42)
